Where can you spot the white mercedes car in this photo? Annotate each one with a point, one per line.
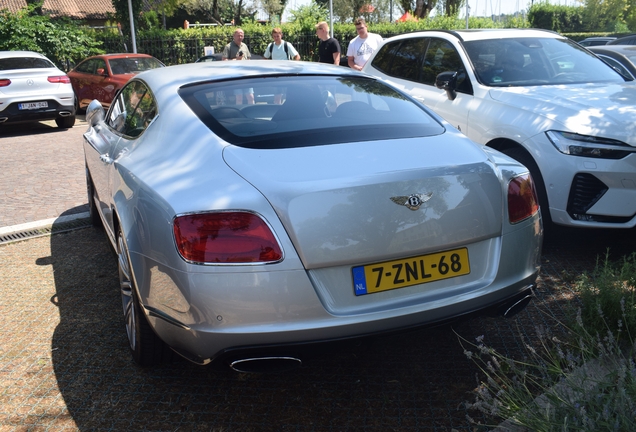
(245, 231)
(541, 99)
(33, 89)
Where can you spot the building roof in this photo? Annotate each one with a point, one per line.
(75, 9)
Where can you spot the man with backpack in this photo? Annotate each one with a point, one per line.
(279, 49)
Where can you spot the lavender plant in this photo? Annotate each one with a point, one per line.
(581, 379)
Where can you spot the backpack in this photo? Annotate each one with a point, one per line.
(271, 47)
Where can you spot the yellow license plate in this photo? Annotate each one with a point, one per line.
(401, 273)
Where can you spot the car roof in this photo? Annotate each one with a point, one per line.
(621, 40)
(10, 54)
(119, 55)
(601, 38)
(173, 77)
(621, 49)
(485, 34)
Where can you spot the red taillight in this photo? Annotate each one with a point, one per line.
(522, 198)
(225, 237)
(62, 79)
(4, 82)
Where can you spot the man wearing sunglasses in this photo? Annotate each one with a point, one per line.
(362, 46)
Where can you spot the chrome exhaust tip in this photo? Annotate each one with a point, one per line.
(265, 364)
(65, 113)
(511, 309)
(3, 119)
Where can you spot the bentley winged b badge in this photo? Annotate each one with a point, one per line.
(413, 201)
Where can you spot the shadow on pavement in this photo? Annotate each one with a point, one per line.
(36, 128)
(412, 381)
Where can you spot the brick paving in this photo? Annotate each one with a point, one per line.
(42, 172)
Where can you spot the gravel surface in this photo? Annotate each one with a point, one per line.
(65, 365)
(64, 361)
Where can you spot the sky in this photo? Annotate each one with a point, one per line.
(477, 7)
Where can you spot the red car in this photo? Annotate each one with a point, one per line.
(100, 77)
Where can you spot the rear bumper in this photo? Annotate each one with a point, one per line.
(300, 344)
(12, 114)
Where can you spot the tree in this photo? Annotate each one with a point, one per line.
(608, 15)
(61, 40)
(122, 15)
(218, 11)
(452, 7)
(274, 8)
(419, 8)
(163, 8)
(307, 16)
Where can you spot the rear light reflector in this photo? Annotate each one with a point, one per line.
(522, 198)
(225, 237)
(4, 82)
(63, 79)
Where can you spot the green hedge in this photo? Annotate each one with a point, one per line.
(179, 46)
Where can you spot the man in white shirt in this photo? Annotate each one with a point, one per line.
(362, 46)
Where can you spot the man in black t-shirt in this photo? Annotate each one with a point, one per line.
(329, 48)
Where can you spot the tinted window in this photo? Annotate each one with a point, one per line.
(133, 110)
(421, 60)
(536, 61)
(90, 66)
(407, 59)
(440, 57)
(133, 65)
(25, 63)
(315, 111)
(384, 58)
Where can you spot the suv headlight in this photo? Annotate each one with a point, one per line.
(588, 146)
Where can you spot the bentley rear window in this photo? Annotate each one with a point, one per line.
(293, 111)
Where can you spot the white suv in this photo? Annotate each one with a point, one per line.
(538, 97)
(33, 89)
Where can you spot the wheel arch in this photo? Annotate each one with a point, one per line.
(525, 157)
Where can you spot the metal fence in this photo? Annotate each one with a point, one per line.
(173, 51)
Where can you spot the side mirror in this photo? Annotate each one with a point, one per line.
(94, 113)
(447, 81)
(101, 71)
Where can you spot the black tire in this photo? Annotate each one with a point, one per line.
(522, 156)
(79, 110)
(92, 208)
(145, 346)
(65, 122)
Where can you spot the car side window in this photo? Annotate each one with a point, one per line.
(442, 56)
(100, 65)
(132, 110)
(384, 58)
(406, 61)
(401, 59)
(88, 66)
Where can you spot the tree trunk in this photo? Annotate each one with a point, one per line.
(423, 8)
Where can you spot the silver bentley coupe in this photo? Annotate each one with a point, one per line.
(257, 207)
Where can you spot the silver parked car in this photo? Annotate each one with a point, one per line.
(33, 89)
(246, 230)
